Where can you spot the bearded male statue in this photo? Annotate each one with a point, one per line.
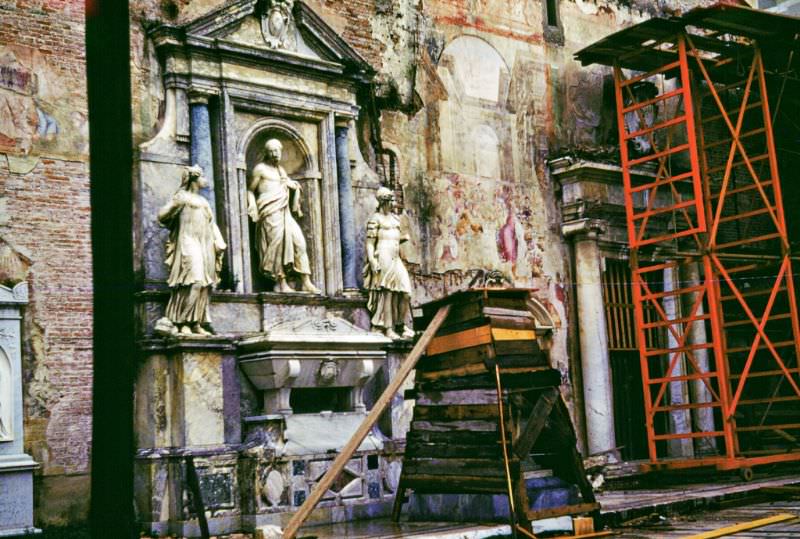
(272, 199)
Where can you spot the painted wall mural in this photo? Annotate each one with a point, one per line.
(37, 114)
(481, 223)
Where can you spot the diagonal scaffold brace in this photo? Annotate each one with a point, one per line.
(352, 445)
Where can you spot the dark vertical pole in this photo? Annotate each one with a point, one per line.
(108, 79)
(347, 227)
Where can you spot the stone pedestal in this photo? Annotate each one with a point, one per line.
(187, 406)
(16, 467)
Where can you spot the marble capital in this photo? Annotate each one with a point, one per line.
(584, 229)
(200, 96)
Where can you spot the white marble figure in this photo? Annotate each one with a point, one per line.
(385, 276)
(194, 254)
(271, 199)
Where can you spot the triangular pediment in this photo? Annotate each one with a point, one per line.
(282, 27)
(329, 328)
(330, 333)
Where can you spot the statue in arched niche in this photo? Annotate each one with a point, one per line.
(272, 199)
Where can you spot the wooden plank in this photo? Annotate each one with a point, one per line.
(454, 466)
(539, 514)
(513, 348)
(744, 526)
(457, 300)
(466, 370)
(582, 526)
(421, 450)
(365, 427)
(457, 358)
(461, 312)
(462, 339)
(502, 334)
(546, 377)
(516, 304)
(454, 437)
(462, 325)
(513, 322)
(433, 484)
(456, 398)
(500, 312)
(786, 491)
(458, 412)
(474, 425)
(519, 360)
(536, 421)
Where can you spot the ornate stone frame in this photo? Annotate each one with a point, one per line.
(279, 85)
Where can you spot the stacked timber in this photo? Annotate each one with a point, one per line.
(486, 371)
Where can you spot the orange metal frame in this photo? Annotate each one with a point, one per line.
(712, 223)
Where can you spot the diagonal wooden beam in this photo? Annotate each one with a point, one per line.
(533, 427)
(744, 526)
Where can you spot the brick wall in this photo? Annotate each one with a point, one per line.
(358, 27)
(46, 220)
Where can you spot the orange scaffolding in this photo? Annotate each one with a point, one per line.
(709, 248)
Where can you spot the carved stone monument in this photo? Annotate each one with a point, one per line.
(263, 95)
(16, 467)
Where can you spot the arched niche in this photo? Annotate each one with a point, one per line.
(297, 159)
(299, 163)
(475, 69)
(477, 79)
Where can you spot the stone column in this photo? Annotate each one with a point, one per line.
(703, 418)
(679, 420)
(597, 389)
(16, 467)
(201, 152)
(347, 227)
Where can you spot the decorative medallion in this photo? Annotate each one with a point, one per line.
(274, 486)
(275, 22)
(328, 371)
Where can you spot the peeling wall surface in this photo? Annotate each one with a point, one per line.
(469, 100)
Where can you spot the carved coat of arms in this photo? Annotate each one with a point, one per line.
(275, 22)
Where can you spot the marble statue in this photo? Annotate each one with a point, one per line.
(385, 276)
(272, 198)
(194, 254)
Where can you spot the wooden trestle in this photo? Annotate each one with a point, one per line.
(488, 409)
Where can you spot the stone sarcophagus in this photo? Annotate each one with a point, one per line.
(312, 366)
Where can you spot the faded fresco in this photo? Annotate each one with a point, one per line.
(472, 207)
(36, 112)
